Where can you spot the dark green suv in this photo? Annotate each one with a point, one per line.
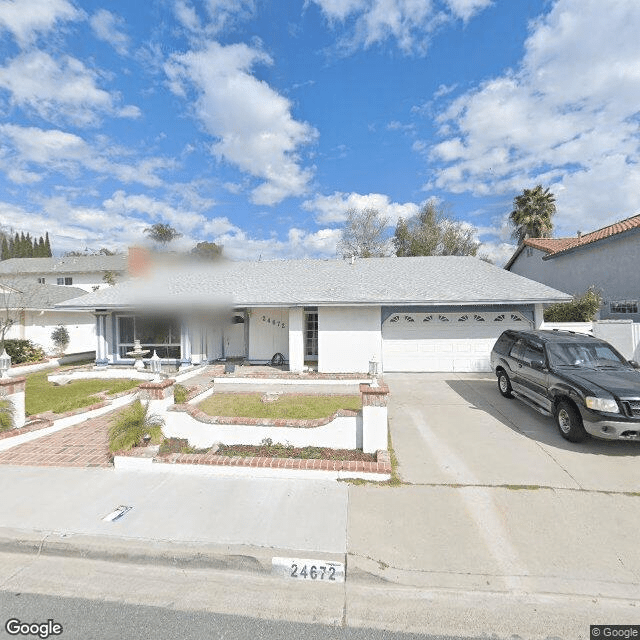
(582, 381)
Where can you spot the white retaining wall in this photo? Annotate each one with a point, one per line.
(341, 433)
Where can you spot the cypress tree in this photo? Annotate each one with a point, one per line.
(15, 249)
(41, 249)
(4, 251)
(47, 246)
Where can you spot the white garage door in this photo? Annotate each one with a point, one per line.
(444, 341)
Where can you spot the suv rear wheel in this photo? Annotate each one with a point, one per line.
(504, 384)
(569, 422)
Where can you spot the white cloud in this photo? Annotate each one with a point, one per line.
(567, 117)
(251, 123)
(299, 244)
(28, 153)
(409, 22)
(59, 89)
(333, 208)
(219, 15)
(107, 26)
(27, 18)
(497, 252)
(184, 220)
(466, 9)
(222, 12)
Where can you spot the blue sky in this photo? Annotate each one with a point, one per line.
(258, 124)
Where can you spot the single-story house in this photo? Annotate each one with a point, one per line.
(607, 259)
(30, 313)
(84, 272)
(410, 314)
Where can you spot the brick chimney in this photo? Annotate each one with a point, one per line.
(139, 262)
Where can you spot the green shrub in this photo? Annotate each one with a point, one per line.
(131, 425)
(23, 351)
(6, 414)
(60, 338)
(583, 308)
(180, 393)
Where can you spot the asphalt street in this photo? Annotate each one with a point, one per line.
(81, 619)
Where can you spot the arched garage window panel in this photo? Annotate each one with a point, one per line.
(457, 319)
(161, 335)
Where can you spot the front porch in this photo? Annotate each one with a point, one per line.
(287, 338)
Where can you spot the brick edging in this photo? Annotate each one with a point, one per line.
(380, 466)
(35, 425)
(201, 416)
(289, 375)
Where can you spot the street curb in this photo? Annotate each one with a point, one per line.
(239, 558)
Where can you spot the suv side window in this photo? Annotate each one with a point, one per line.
(517, 351)
(504, 342)
(533, 352)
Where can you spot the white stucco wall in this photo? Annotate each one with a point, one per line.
(296, 339)
(624, 335)
(268, 333)
(86, 281)
(38, 326)
(341, 433)
(348, 337)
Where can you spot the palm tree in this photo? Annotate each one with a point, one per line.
(532, 212)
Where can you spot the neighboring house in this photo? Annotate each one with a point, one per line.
(608, 259)
(410, 314)
(85, 272)
(30, 310)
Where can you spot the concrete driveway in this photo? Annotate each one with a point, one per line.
(494, 500)
(456, 428)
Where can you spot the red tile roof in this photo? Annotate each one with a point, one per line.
(557, 245)
(551, 245)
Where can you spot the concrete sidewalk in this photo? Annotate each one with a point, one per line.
(70, 503)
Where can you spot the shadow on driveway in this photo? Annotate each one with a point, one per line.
(483, 394)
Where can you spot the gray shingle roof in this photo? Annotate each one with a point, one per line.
(82, 264)
(37, 296)
(425, 280)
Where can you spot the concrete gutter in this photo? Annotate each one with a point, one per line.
(244, 558)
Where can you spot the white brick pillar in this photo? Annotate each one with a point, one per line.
(296, 339)
(374, 417)
(13, 390)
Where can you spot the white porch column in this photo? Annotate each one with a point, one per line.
(101, 339)
(185, 344)
(296, 338)
(538, 316)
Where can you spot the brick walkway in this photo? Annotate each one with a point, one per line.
(83, 445)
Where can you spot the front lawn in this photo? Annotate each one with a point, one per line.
(294, 407)
(41, 395)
